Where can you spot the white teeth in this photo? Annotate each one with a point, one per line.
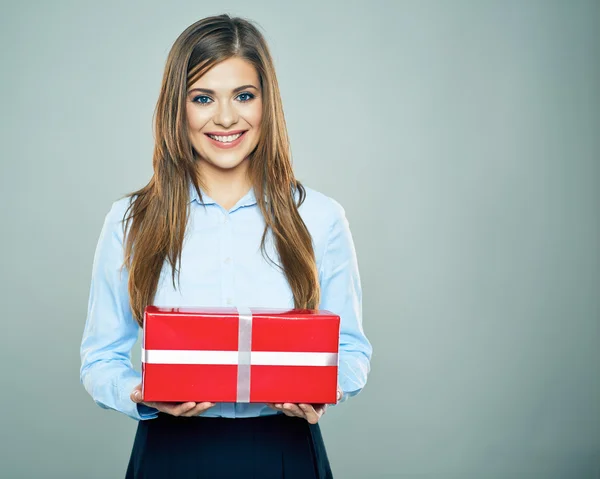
(226, 139)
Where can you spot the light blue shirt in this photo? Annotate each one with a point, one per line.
(221, 265)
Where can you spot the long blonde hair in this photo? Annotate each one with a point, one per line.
(159, 211)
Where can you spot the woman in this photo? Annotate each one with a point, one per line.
(222, 222)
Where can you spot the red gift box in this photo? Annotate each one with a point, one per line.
(239, 354)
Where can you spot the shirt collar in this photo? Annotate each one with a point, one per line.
(248, 199)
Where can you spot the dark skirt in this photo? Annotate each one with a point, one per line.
(264, 447)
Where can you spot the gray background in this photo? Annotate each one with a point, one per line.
(461, 137)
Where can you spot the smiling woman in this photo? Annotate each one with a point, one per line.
(224, 215)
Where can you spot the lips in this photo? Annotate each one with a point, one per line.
(228, 145)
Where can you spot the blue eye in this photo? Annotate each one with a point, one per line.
(250, 95)
(205, 100)
(199, 97)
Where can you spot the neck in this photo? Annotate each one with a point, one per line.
(225, 186)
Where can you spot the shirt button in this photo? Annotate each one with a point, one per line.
(227, 260)
(230, 301)
(225, 219)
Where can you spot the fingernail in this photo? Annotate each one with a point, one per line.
(137, 395)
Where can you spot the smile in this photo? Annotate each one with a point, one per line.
(229, 141)
(226, 139)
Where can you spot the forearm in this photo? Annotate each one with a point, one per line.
(354, 367)
(110, 383)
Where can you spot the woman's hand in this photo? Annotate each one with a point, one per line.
(311, 412)
(187, 409)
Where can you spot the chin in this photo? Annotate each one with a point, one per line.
(223, 164)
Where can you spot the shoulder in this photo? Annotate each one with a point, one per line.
(320, 213)
(117, 210)
(114, 218)
(326, 221)
(319, 204)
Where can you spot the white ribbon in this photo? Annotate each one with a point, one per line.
(257, 358)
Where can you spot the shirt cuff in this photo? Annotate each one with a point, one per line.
(137, 411)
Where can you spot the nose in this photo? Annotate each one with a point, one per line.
(226, 115)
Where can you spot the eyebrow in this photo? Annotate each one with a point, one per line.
(212, 92)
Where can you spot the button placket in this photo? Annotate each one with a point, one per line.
(228, 293)
(227, 286)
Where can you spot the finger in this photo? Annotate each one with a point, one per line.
(176, 409)
(285, 410)
(311, 415)
(198, 409)
(294, 409)
(319, 408)
(185, 407)
(279, 407)
(272, 406)
(205, 406)
(202, 407)
(136, 394)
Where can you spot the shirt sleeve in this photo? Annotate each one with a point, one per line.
(341, 293)
(110, 330)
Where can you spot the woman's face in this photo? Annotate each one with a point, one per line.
(225, 102)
